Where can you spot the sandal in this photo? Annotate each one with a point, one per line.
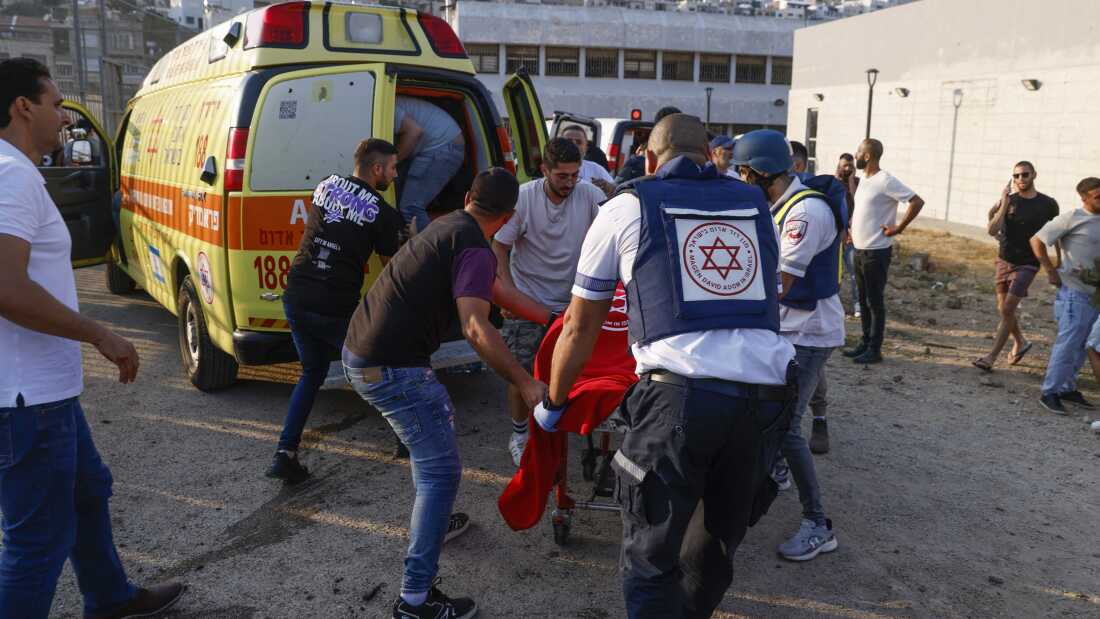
(982, 365)
(1018, 357)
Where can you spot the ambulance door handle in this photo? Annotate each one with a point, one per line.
(270, 296)
(209, 170)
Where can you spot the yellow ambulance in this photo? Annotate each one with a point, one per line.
(219, 153)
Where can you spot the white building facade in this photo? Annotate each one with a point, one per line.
(964, 90)
(606, 61)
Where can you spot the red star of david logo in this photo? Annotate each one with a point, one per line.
(716, 247)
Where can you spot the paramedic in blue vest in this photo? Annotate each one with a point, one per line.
(706, 418)
(811, 315)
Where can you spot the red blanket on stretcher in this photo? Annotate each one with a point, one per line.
(595, 395)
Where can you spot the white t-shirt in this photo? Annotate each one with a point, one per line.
(876, 205)
(43, 368)
(546, 240)
(809, 229)
(754, 356)
(591, 170)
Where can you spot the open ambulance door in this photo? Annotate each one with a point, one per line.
(527, 124)
(81, 178)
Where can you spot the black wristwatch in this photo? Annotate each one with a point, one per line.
(553, 316)
(550, 406)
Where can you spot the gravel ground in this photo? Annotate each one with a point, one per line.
(952, 493)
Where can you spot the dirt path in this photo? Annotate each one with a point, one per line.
(953, 494)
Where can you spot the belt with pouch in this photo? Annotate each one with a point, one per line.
(778, 393)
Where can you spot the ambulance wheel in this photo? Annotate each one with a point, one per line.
(208, 367)
(118, 282)
(561, 533)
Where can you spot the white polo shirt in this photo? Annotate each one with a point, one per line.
(754, 356)
(808, 230)
(43, 368)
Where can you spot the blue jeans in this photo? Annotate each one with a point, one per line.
(850, 274)
(1075, 315)
(429, 172)
(811, 367)
(418, 408)
(53, 494)
(319, 339)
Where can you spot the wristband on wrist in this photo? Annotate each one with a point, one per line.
(550, 406)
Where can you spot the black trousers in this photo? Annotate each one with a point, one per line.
(692, 475)
(872, 267)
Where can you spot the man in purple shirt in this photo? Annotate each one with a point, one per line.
(442, 276)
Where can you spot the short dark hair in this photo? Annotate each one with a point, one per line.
(847, 157)
(1087, 184)
(667, 110)
(559, 151)
(371, 151)
(798, 151)
(495, 191)
(20, 77)
(1026, 163)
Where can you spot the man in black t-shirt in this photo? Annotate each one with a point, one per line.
(442, 276)
(348, 220)
(1014, 220)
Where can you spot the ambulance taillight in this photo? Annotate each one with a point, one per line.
(506, 148)
(444, 41)
(234, 158)
(613, 158)
(279, 25)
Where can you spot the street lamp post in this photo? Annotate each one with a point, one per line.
(872, 77)
(709, 91)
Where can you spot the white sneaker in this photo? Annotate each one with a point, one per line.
(516, 444)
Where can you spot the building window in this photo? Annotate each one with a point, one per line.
(741, 129)
(601, 63)
(485, 56)
(526, 56)
(811, 140)
(63, 69)
(190, 20)
(714, 68)
(640, 64)
(751, 69)
(781, 71)
(677, 66)
(563, 61)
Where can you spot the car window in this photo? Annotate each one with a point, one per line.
(308, 128)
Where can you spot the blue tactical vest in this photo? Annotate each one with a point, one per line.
(707, 255)
(823, 275)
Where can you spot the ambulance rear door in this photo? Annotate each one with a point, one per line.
(81, 177)
(527, 124)
(305, 126)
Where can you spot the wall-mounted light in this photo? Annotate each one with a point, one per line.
(902, 92)
(1031, 84)
(779, 103)
(819, 96)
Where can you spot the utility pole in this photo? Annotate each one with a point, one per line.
(107, 106)
(81, 78)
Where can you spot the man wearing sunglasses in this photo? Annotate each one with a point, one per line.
(1013, 221)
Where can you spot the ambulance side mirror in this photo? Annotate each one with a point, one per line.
(233, 35)
(209, 171)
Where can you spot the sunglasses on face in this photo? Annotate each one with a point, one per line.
(1022, 175)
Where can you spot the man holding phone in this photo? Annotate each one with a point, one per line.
(1013, 221)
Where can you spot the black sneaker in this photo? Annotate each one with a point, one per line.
(287, 468)
(868, 357)
(437, 606)
(1075, 397)
(1053, 403)
(456, 526)
(855, 352)
(819, 439)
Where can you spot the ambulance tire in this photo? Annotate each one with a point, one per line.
(208, 367)
(118, 282)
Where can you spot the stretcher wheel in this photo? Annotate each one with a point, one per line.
(588, 464)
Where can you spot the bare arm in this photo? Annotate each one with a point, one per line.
(503, 252)
(997, 215)
(1039, 248)
(408, 136)
(583, 321)
(25, 303)
(916, 203)
(508, 296)
(788, 281)
(473, 315)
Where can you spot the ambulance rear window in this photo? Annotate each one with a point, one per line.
(309, 128)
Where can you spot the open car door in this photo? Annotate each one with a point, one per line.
(526, 121)
(81, 177)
